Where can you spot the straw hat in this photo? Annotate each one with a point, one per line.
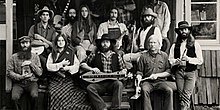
(148, 11)
(45, 9)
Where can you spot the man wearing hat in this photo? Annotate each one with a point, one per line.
(43, 30)
(23, 69)
(185, 55)
(105, 60)
(144, 32)
(43, 33)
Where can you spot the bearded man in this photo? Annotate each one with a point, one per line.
(105, 60)
(144, 32)
(24, 68)
(67, 29)
(184, 57)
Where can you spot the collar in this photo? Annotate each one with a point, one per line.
(109, 23)
(154, 54)
(41, 25)
(110, 54)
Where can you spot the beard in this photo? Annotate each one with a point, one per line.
(25, 54)
(147, 23)
(105, 49)
(185, 35)
(71, 19)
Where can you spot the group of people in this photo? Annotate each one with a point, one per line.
(80, 47)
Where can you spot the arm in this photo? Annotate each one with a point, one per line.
(36, 66)
(73, 68)
(171, 58)
(199, 59)
(167, 20)
(100, 30)
(10, 71)
(31, 32)
(157, 32)
(53, 67)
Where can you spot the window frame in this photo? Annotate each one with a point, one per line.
(206, 44)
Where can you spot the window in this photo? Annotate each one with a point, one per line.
(204, 17)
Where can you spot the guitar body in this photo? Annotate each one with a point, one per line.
(94, 78)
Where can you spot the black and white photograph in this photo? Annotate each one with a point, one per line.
(109, 54)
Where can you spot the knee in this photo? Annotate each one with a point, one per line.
(16, 96)
(145, 90)
(91, 88)
(34, 94)
(168, 91)
(126, 57)
(118, 84)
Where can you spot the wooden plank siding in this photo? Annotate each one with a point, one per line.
(207, 90)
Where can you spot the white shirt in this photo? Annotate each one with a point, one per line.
(143, 34)
(56, 66)
(66, 30)
(196, 61)
(103, 28)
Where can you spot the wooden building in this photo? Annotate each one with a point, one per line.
(16, 17)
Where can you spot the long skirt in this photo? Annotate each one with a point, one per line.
(64, 94)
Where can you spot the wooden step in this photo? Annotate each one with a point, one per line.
(124, 105)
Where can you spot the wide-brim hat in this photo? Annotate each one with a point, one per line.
(45, 9)
(182, 25)
(148, 11)
(105, 37)
(24, 39)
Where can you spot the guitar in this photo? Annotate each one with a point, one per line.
(94, 78)
(58, 18)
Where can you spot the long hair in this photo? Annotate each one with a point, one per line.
(88, 19)
(55, 47)
(118, 17)
(189, 43)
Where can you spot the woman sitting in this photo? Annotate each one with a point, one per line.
(64, 90)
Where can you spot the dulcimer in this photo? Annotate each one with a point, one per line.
(94, 78)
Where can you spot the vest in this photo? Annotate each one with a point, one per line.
(190, 53)
(150, 32)
(97, 62)
(67, 54)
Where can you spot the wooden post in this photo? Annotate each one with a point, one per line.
(9, 29)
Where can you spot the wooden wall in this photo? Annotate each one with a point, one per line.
(207, 91)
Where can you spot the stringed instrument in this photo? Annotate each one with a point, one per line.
(58, 18)
(94, 78)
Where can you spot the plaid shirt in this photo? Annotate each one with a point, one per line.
(125, 10)
(106, 61)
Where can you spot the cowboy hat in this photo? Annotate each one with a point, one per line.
(24, 39)
(148, 11)
(105, 37)
(183, 25)
(45, 9)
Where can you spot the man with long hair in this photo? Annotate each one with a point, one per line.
(67, 29)
(24, 68)
(184, 57)
(105, 60)
(113, 27)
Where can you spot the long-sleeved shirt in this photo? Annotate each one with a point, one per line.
(153, 64)
(163, 19)
(198, 60)
(54, 67)
(103, 28)
(106, 61)
(14, 68)
(49, 33)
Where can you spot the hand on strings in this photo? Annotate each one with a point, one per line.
(96, 70)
